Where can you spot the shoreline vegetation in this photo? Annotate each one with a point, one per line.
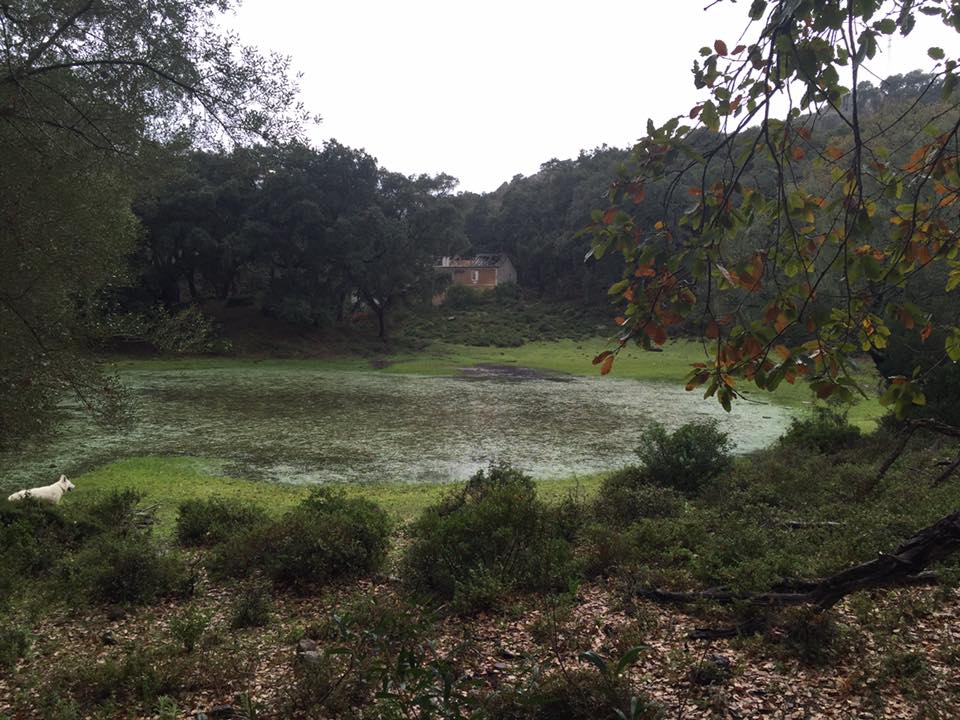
(167, 481)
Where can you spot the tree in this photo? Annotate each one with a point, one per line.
(65, 229)
(113, 73)
(791, 245)
(803, 235)
(391, 247)
(302, 201)
(87, 89)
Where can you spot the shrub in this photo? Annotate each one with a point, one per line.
(812, 637)
(686, 459)
(905, 667)
(461, 297)
(572, 695)
(571, 515)
(377, 661)
(122, 569)
(207, 522)
(826, 431)
(188, 627)
(492, 537)
(28, 529)
(142, 675)
(506, 292)
(627, 495)
(114, 512)
(327, 536)
(251, 609)
(14, 644)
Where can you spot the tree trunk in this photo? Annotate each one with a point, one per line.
(904, 566)
(192, 285)
(382, 321)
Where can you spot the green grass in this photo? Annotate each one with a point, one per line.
(169, 481)
(571, 357)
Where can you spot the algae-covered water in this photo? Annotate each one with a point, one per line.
(305, 425)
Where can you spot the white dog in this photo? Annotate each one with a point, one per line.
(50, 494)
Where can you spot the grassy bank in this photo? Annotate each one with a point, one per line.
(168, 481)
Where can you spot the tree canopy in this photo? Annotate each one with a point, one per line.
(88, 88)
(793, 242)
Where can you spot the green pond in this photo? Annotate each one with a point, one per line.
(302, 424)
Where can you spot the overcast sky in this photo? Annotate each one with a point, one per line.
(486, 90)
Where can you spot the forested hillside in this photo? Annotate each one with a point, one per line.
(315, 237)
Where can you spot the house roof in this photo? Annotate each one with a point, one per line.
(477, 261)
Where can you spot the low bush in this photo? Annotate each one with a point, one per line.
(686, 459)
(114, 509)
(251, 609)
(28, 529)
(189, 626)
(376, 660)
(572, 695)
(326, 537)
(627, 495)
(492, 537)
(14, 643)
(210, 521)
(123, 569)
(460, 297)
(825, 430)
(814, 638)
(139, 676)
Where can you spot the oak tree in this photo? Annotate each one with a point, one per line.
(88, 90)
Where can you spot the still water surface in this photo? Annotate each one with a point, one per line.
(303, 425)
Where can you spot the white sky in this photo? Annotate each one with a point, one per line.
(486, 90)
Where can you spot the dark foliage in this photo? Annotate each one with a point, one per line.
(252, 608)
(28, 531)
(491, 538)
(825, 431)
(123, 569)
(628, 495)
(687, 459)
(14, 643)
(573, 695)
(328, 536)
(210, 521)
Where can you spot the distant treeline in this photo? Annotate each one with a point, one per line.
(313, 235)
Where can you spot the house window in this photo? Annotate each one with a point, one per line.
(476, 277)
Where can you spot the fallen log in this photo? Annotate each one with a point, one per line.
(906, 565)
(945, 475)
(805, 524)
(800, 593)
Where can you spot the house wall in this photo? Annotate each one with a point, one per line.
(481, 278)
(506, 273)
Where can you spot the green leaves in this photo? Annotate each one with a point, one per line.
(709, 116)
(757, 9)
(901, 395)
(613, 669)
(952, 345)
(887, 26)
(786, 229)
